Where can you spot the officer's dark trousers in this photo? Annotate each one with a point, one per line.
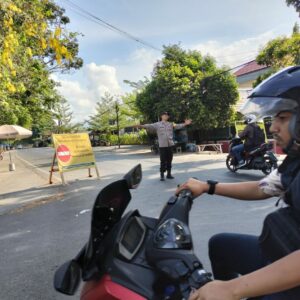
(166, 157)
(239, 254)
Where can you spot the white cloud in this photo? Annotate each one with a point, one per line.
(75, 93)
(96, 80)
(237, 52)
(139, 64)
(102, 79)
(80, 98)
(83, 95)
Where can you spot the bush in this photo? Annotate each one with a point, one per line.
(136, 138)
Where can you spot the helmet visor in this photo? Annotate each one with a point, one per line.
(263, 107)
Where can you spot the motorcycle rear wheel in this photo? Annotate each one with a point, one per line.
(230, 163)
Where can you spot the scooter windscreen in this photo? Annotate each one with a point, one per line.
(112, 201)
(110, 204)
(108, 209)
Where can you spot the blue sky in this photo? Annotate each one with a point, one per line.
(231, 30)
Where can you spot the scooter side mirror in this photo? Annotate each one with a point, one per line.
(67, 278)
(134, 177)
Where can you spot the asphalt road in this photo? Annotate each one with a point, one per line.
(36, 240)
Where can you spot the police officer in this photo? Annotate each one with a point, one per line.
(164, 131)
(232, 254)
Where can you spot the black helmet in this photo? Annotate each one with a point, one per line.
(280, 92)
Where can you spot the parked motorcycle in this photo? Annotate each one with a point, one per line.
(135, 257)
(260, 158)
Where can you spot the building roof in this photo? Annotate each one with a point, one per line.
(250, 67)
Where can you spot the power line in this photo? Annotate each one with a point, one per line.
(84, 16)
(88, 15)
(248, 59)
(109, 25)
(228, 70)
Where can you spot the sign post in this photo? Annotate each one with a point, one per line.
(73, 152)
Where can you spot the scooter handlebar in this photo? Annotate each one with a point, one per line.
(185, 193)
(195, 281)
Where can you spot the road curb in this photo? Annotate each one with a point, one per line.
(21, 207)
(37, 170)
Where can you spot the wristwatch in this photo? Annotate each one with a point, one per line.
(212, 186)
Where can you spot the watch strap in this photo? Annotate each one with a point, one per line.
(212, 186)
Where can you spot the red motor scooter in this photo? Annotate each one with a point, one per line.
(134, 257)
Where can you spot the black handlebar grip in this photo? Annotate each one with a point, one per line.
(198, 279)
(195, 281)
(185, 193)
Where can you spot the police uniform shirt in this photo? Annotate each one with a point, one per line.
(164, 131)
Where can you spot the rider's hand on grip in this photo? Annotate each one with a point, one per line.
(196, 187)
(195, 281)
(185, 193)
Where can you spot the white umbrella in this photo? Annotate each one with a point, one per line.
(13, 132)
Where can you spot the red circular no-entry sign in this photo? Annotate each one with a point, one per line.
(63, 153)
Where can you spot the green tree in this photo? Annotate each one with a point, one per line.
(104, 117)
(62, 116)
(296, 28)
(295, 3)
(43, 127)
(34, 41)
(189, 85)
(279, 53)
(139, 85)
(130, 114)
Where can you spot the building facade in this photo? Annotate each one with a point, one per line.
(245, 77)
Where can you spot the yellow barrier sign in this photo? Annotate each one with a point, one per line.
(73, 151)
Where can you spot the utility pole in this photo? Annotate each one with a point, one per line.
(118, 125)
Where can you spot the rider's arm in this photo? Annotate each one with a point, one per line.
(252, 190)
(256, 190)
(279, 276)
(243, 190)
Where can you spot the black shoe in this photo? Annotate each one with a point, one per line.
(162, 176)
(169, 176)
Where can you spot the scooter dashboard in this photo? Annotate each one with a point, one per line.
(131, 237)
